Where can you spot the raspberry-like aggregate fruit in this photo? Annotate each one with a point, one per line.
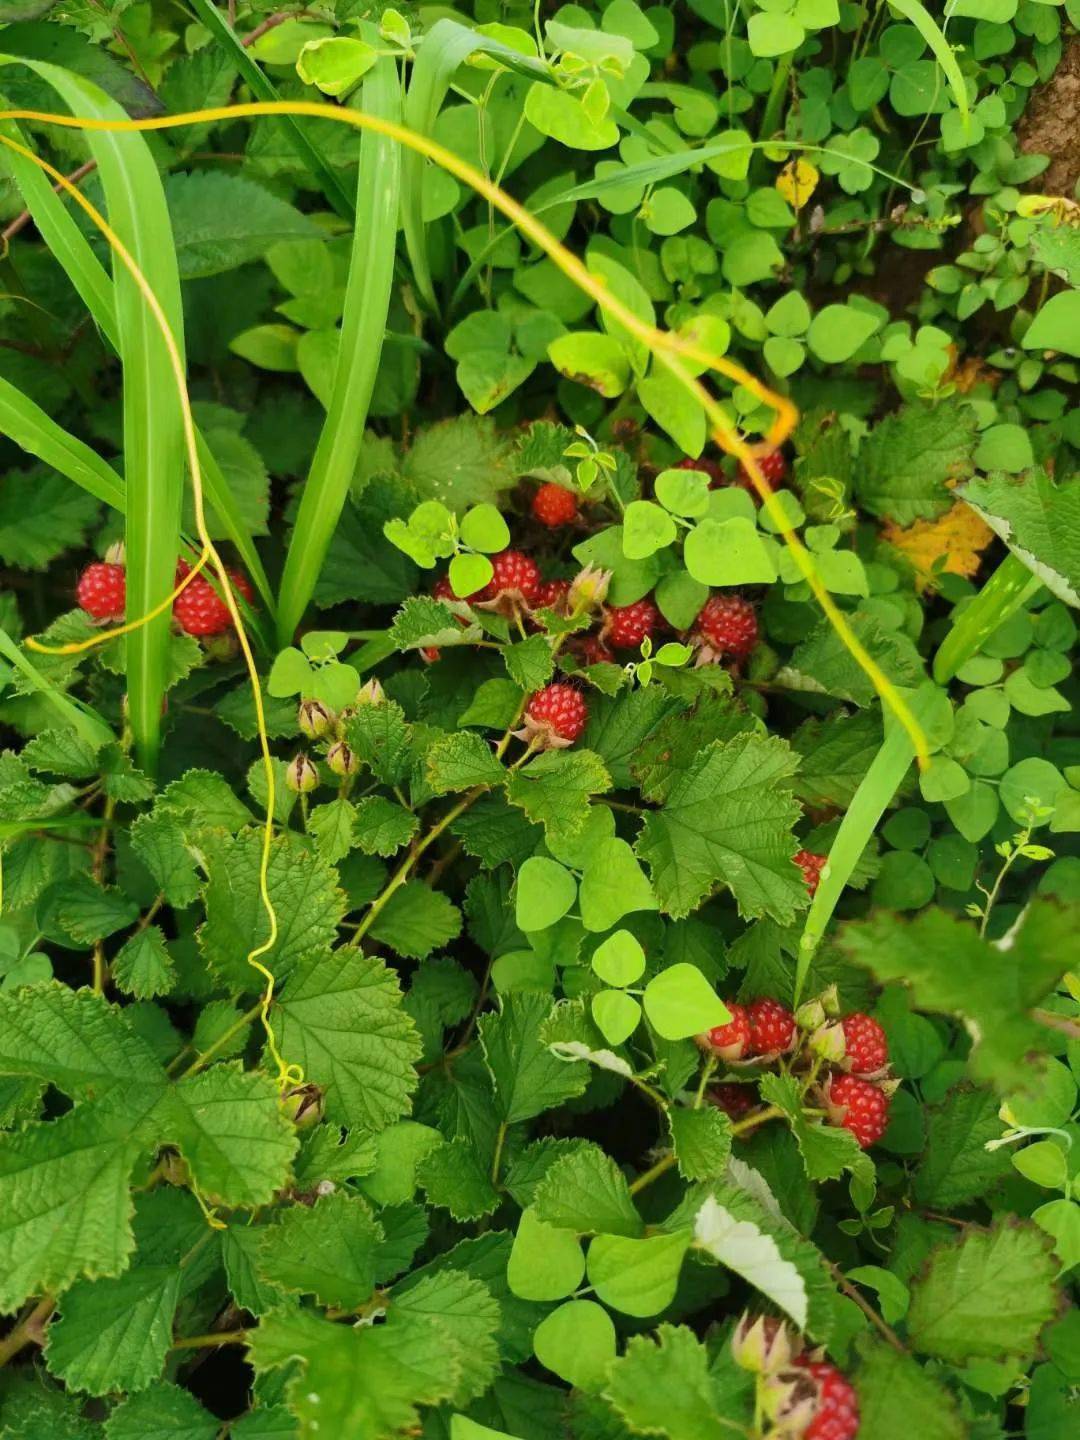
(860, 1107)
(837, 1415)
(712, 468)
(734, 1100)
(516, 577)
(102, 591)
(866, 1049)
(554, 506)
(551, 594)
(728, 625)
(560, 710)
(811, 866)
(772, 1027)
(199, 609)
(627, 626)
(594, 651)
(731, 1041)
(773, 466)
(442, 589)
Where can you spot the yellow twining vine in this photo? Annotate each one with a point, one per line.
(670, 350)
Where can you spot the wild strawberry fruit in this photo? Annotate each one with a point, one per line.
(837, 1414)
(554, 506)
(866, 1050)
(712, 468)
(734, 1100)
(858, 1106)
(731, 1041)
(626, 626)
(556, 715)
(594, 651)
(552, 594)
(516, 579)
(102, 591)
(728, 625)
(199, 609)
(773, 466)
(772, 1027)
(811, 866)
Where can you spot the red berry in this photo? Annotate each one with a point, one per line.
(728, 625)
(731, 1041)
(627, 626)
(772, 1027)
(442, 589)
(837, 1415)
(102, 591)
(811, 866)
(734, 1100)
(560, 710)
(858, 1106)
(200, 610)
(553, 506)
(551, 594)
(516, 577)
(594, 651)
(773, 466)
(865, 1048)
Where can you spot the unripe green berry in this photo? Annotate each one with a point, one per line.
(314, 719)
(301, 775)
(341, 759)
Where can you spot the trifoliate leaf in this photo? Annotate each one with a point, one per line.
(303, 891)
(229, 1127)
(327, 1250)
(528, 1078)
(701, 1140)
(614, 885)
(554, 789)
(453, 1177)
(728, 816)
(382, 826)
(461, 761)
(143, 966)
(909, 456)
(986, 1295)
(637, 1277)
(341, 1018)
(114, 1334)
(992, 988)
(417, 920)
(1039, 521)
(546, 1263)
(577, 1343)
(585, 1191)
(662, 1385)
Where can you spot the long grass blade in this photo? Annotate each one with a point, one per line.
(32, 430)
(264, 88)
(153, 438)
(86, 722)
(91, 280)
(1010, 585)
(367, 300)
(930, 31)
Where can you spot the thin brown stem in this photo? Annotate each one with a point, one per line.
(853, 1293)
(273, 21)
(222, 1040)
(24, 217)
(662, 1166)
(29, 1331)
(215, 1337)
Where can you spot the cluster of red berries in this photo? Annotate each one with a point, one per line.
(772, 465)
(198, 610)
(763, 1031)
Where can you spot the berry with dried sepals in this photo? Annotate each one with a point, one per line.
(199, 609)
(730, 1041)
(811, 866)
(515, 581)
(552, 595)
(301, 775)
(341, 759)
(859, 1106)
(102, 591)
(762, 1344)
(727, 626)
(626, 626)
(554, 506)
(736, 1101)
(866, 1050)
(837, 1414)
(555, 716)
(772, 1027)
(314, 719)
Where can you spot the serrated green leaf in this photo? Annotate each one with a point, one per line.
(327, 1250)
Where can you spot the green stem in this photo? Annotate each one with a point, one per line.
(661, 1167)
(206, 1342)
(222, 1040)
(774, 104)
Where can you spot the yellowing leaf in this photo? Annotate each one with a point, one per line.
(797, 181)
(952, 544)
